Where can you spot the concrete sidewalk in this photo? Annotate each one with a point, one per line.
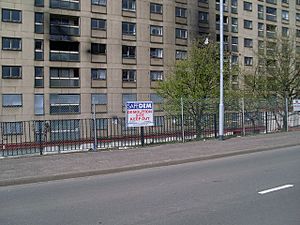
(62, 166)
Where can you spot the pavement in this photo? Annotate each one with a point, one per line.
(24, 170)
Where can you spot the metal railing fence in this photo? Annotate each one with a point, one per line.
(58, 136)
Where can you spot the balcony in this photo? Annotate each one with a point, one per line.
(64, 56)
(64, 51)
(63, 25)
(65, 4)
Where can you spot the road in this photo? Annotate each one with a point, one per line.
(229, 191)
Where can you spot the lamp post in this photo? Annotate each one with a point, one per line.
(221, 103)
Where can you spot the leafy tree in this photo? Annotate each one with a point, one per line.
(276, 76)
(196, 81)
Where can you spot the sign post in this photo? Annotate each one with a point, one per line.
(139, 114)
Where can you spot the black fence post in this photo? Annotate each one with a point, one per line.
(142, 136)
(266, 122)
(215, 125)
(41, 137)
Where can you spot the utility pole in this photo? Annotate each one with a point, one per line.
(221, 104)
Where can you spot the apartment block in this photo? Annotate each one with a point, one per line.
(59, 58)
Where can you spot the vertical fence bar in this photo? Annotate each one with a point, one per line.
(266, 122)
(182, 119)
(286, 114)
(243, 117)
(95, 126)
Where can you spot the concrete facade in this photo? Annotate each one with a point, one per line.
(68, 39)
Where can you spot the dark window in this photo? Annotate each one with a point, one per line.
(128, 51)
(99, 2)
(98, 24)
(98, 74)
(11, 15)
(128, 28)
(39, 23)
(14, 44)
(38, 77)
(39, 3)
(156, 8)
(98, 49)
(11, 72)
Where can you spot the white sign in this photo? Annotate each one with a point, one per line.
(139, 114)
(296, 105)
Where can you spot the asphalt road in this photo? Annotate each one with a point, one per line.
(228, 191)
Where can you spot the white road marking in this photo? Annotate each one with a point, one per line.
(276, 189)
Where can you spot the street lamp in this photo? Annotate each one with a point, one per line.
(221, 104)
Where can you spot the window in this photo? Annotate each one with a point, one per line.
(248, 61)
(128, 28)
(12, 100)
(39, 104)
(181, 33)
(129, 5)
(62, 130)
(65, 4)
(180, 12)
(247, 6)
(129, 75)
(128, 51)
(271, 31)
(260, 28)
(128, 98)
(156, 75)
(157, 101)
(39, 22)
(234, 59)
(14, 44)
(11, 15)
(298, 17)
(285, 1)
(64, 77)
(297, 2)
(285, 15)
(234, 25)
(98, 74)
(99, 99)
(297, 33)
(38, 49)
(98, 48)
(11, 72)
(234, 44)
(285, 31)
(38, 77)
(156, 53)
(156, 8)
(39, 3)
(156, 30)
(272, 1)
(180, 54)
(64, 103)
(248, 24)
(98, 24)
(12, 128)
(234, 6)
(203, 17)
(99, 2)
(271, 13)
(248, 43)
(260, 12)
(101, 124)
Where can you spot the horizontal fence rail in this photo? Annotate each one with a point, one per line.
(58, 136)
